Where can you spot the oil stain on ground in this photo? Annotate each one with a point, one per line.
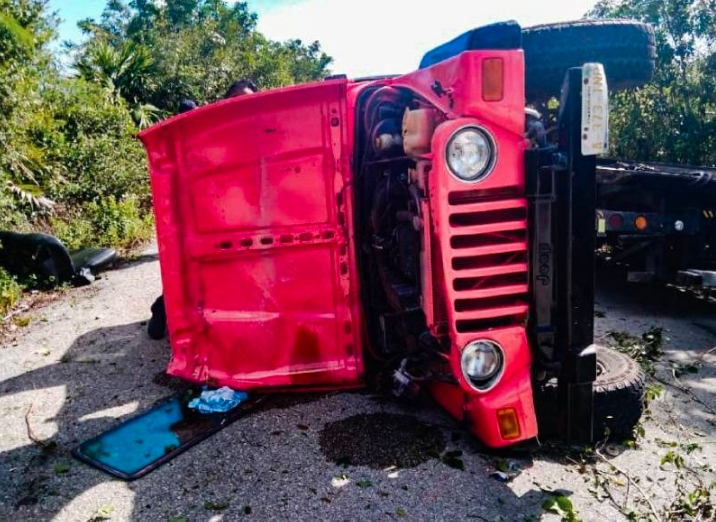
(381, 440)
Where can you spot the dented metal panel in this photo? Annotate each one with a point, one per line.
(252, 226)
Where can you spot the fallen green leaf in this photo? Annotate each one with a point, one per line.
(61, 467)
(210, 505)
(690, 447)
(103, 513)
(562, 506)
(673, 458)
(364, 483)
(502, 465)
(400, 512)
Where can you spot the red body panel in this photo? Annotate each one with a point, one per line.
(476, 242)
(253, 201)
(253, 216)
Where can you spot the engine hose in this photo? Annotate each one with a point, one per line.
(387, 95)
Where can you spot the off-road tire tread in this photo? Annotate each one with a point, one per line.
(626, 48)
(618, 394)
(618, 398)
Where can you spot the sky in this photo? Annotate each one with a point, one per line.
(369, 37)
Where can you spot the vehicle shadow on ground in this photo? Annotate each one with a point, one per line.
(113, 373)
(105, 369)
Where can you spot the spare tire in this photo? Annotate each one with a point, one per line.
(626, 49)
(618, 398)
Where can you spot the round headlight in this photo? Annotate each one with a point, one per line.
(482, 363)
(471, 154)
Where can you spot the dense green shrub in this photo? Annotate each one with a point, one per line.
(97, 153)
(10, 292)
(104, 222)
(70, 162)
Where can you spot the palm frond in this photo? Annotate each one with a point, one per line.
(31, 195)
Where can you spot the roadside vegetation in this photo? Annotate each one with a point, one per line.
(672, 119)
(70, 163)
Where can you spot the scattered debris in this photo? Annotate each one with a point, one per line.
(340, 481)
(103, 513)
(210, 505)
(507, 470)
(140, 444)
(30, 433)
(218, 401)
(562, 506)
(624, 506)
(645, 351)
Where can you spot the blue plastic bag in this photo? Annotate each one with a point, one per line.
(218, 401)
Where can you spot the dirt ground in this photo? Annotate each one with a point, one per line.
(77, 365)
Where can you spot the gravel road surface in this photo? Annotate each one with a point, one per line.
(84, 361)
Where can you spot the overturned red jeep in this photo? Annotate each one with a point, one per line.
(436, 227)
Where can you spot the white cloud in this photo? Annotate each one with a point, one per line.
(383, 36)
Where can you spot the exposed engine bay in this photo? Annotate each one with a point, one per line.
(394, 131)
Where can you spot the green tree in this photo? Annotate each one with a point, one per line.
(69, 152)
(672, 118)
(126, 70)
(197, 48)
(70, 163)
(25, 29)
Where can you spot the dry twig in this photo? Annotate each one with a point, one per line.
(31, 434)
(629, 481)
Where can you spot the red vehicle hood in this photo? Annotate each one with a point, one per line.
(253, 230)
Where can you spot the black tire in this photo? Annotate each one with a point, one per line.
(618, 394)
(157, 326)
(626, 49)
(618, 398)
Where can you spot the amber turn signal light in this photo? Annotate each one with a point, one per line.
(493, 79)
(509, 425)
